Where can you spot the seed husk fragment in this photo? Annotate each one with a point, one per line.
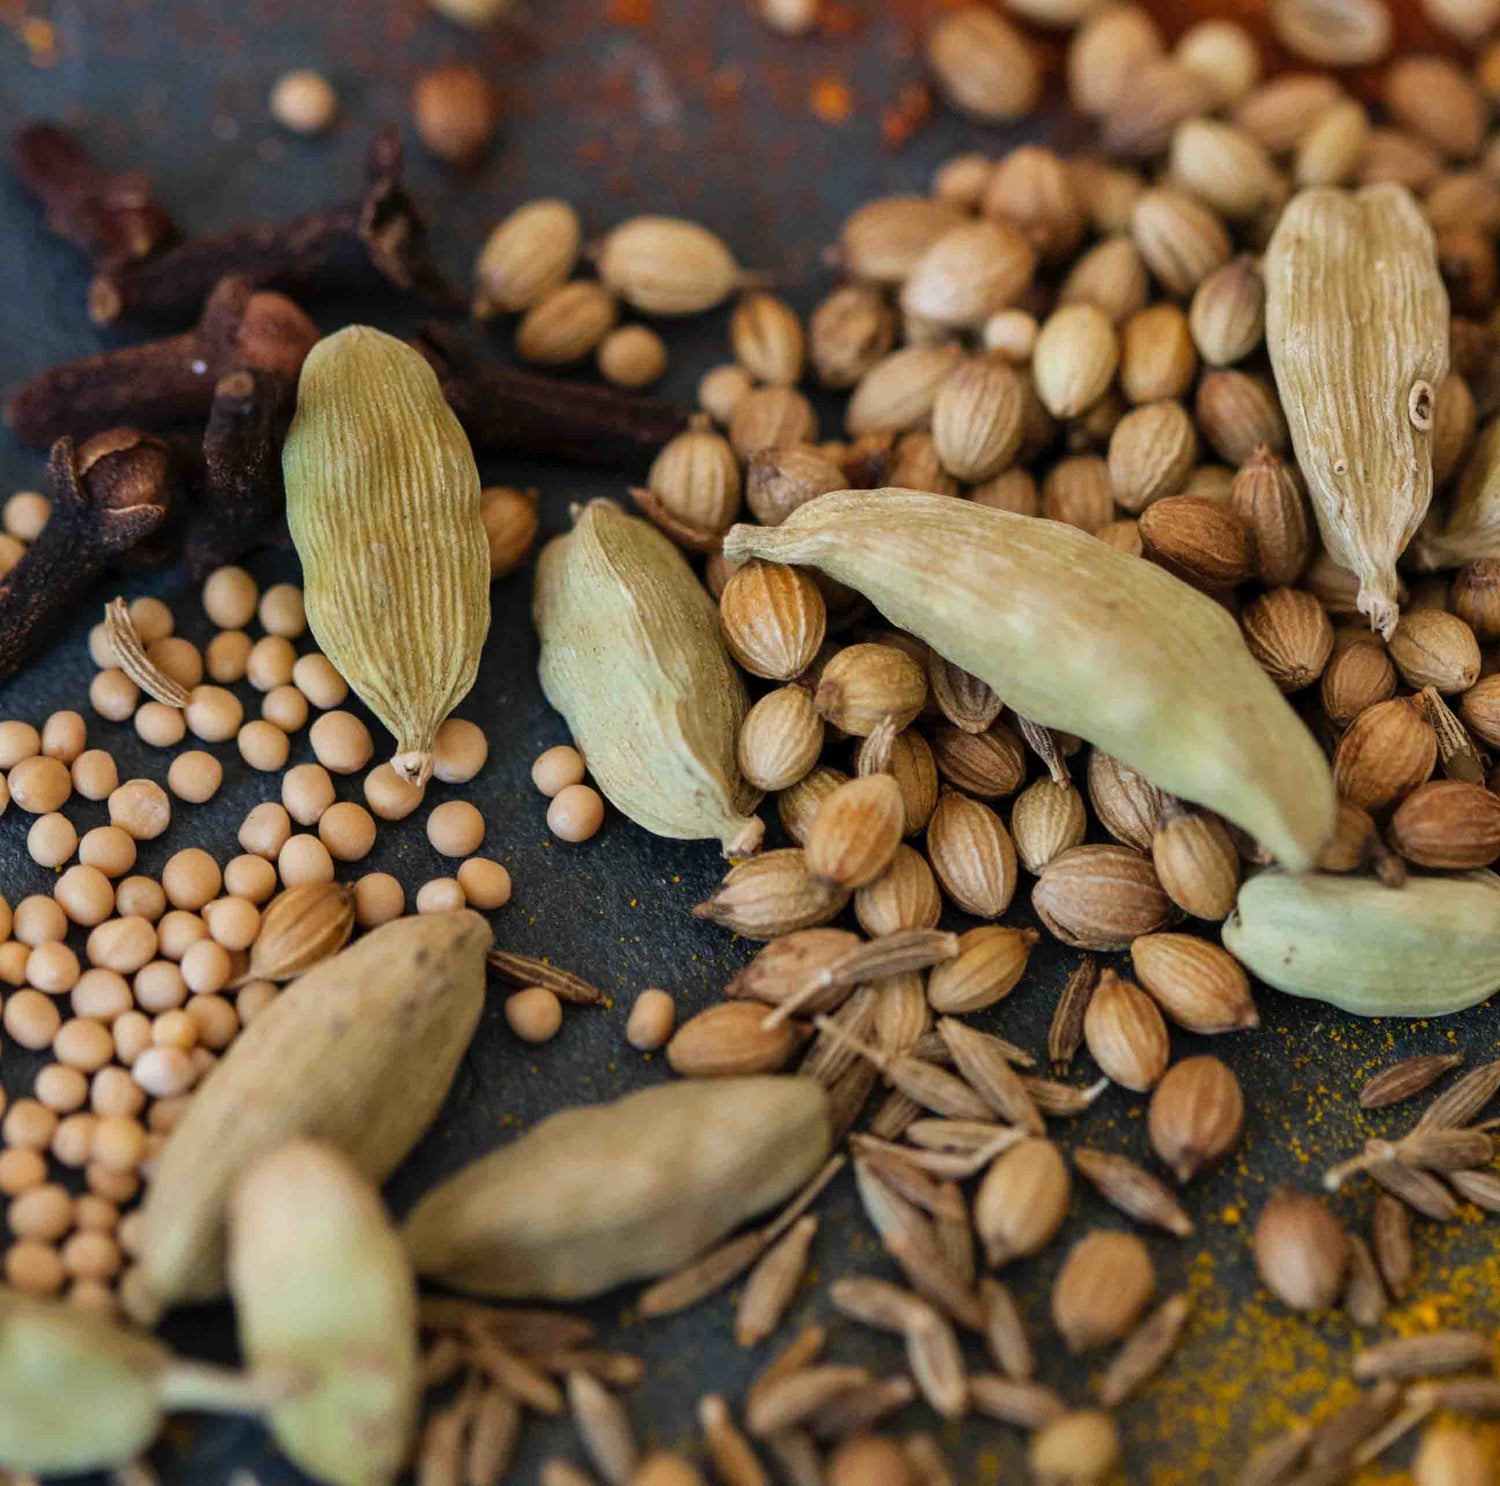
(323, 1290)
(586, 1199)
(1025, 1404)
(1405, 1079)
(1145, 1351)
(932, 1087)
(1063, 1101)
(1340, 1435)
(394, 1011)
(733, 1456)
(1133, 1190)
(1065, 1034)
(130, 656)
(1424, 1355)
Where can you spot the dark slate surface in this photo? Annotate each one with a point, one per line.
(705, 114)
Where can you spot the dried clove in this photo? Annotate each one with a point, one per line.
(109, 494)
(167, 381)
(112, 218)
(376, 239)
(517, 412)
(242, 484)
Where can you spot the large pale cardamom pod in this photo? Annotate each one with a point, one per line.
(359, 1052)
(1357, 328)
(324, 1293)
(1078, 636)
(633, 657)
(1425, 949)
(1472, 527)
(382, 497)
(597, 1196)
(79, 1393)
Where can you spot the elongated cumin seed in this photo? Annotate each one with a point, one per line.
(891, 954)
(515, 1373)
(1477, 1396)
(860, 1409)
(984, 1065)
(604, 1428)
(787, 1401)
(1063, 1101)
(797, 1456)
(1419, 1190)
(1133, 1190)
(1364, 1291)
(1004, 1332)
(1390, 1241)
(1025, 1404)
(1424, 1355)
(895, 1115)
(1340, 1435)
(493, 1438)
(1405, 1079)
(1145, 1351)
(802, 1351)
(703, 1277)
(1065, 1035)
(1461, 1104)
(925, 1461)
(732, 1455)
(1278, 1459)
(1482, 1188)
(773, 1283)
(937, 1365)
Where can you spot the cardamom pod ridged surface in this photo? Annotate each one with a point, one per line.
(1425, 949)
(382, 497)
(1357, 329)
(1078, 636)
(633, 656)
(1471, 529)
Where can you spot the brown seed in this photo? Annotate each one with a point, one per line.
(780, 739)
(1334, 33)
(1100, 897)
(1031, 188)
(1418, 1189)
(1433, 98)
(1145, 1351)
(966, 701)
(1268, 497)
(867, 1460)
(522, 970)
(1225, 167)
(972, 854)
(1196, 1115)
(1196, 861)
(1387, 751)
(1074, 360)
(1020, 1402)
(1433, 648)
(988, 764)
(1449, 825)
(1151, 454)
(1338, 1436)
(781, 1403)
(1425, 1354)
(732, 1040)
(1181, 238)
(604, 1428)
(907, 757)
(1065, 1032)
(1112, 276)
(1301, 1251)
(1364, 1291)
(1355, 679)
(774, 619)
(1104, 1284)
(856, 832)
(798, 805)
(771, 418)
(983, 66)
(1290, 635)
(1277, 1461)
(1237, 413)
(904, 896)
(1482, 1188)
(1280, 110)
(730, 1453)
(1128, 806)
(1077, 491)
(770, 895)
(982, 1062)
(862, 685)
(1157, 357)
(1391, 1243)
(1203, 542)
(898, 392)
(1125, 1034)
(773, 1283)
(1228, 314)
(299, 928)
(990, 962)
(971, 272)
(1046, 820)
(1155, 97)
(1450, 1456)
(1199, 985)
(1004, 1331)
(1133, 1190)
(1022, 1201)
(1074, 1449)
(766, 337)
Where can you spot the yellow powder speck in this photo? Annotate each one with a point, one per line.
(1230, 1216)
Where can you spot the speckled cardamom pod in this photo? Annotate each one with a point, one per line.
(1425, 949)
(1077, 636)
(323, 1291)
(360, 1052)
(633, 657)
(596, 1196)
(1357, 328)
(382, 497)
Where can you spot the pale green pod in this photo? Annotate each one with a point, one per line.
(382, 498)
(79, 1393)
(360, 1052)
(1357, 329)
(597, 1196)
(1078, 636)
(633, 656)
(323, 1291)
(1425, 949)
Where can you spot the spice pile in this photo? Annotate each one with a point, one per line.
(1163, 513)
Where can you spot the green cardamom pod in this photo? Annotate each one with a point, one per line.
(323, 1292)
(382, 497)
(1357, 328)
(78, 1393)
(1078, 636)
(633, 656)
(360, 1052)
(1425, 949)
(597, 1196)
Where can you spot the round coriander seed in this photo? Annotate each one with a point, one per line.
(250, 877)
(459, 751)
(227, 656)
(140, 897)
(632, 356)
(38, 920)
(486, 883)
(389, 795)
(234, 921)
(109, 848)
(64, 736)
(455, 828)
(26, 513)
(304, 859)
(307, 791)
(281, 611)
(95, 775)
(40, 785)
(85, 895)
(264, 746)
(378, 898)
(51, 841)
(535, 1014)
(315, 677)
(191, 878)
(141, 808)
(159, 725)
(441, 895)
(113, 695)
(286, 707)
(348, 831)
(195, 776)
(214, 714)
(18, 740)
(555, 769)
(270, 663)
(229, 597)
(342, 743)
(177, 658)
(652, 1021)
(304, 102)
(576, 813)
(264, 831)
(152, 618)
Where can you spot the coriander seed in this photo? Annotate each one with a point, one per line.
(576, 813)
(195, 776)
(341, 742)
(556, 768)
(534, 1014)
(486, 883)
(230, 596)
(378, 898)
